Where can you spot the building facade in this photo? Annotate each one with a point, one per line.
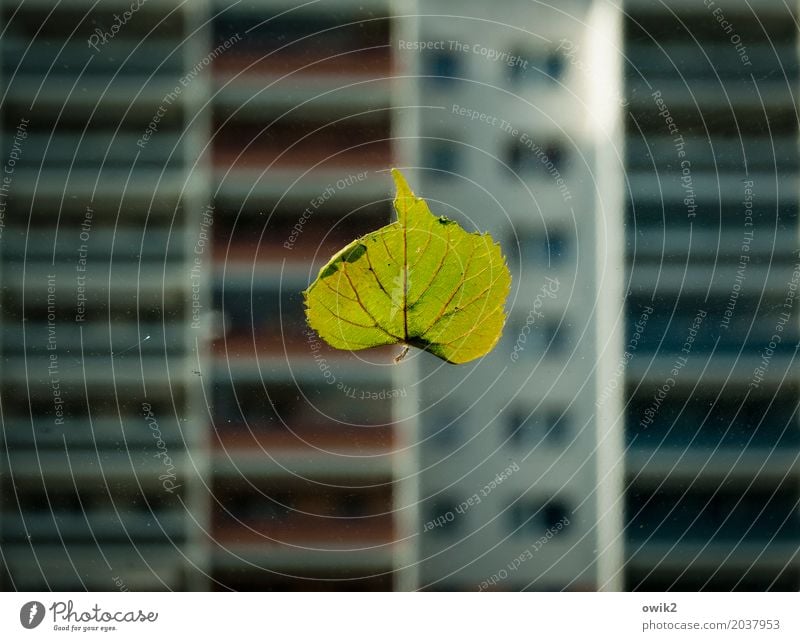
(712, 270)
(520, 454)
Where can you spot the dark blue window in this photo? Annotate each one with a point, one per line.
(442, 157)
(441, 67)
(535, 518)
(555, 247)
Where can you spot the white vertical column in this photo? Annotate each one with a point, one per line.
(604, 60)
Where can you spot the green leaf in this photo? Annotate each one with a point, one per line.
(420, 281)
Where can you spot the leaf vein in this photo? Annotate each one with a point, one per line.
(472, 329)
(375, 276)
(437, 270)
(355, 324)
(360, 302)
(455, 291)
(337, 292)
(470, 302)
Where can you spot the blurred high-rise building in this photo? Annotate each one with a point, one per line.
(712, 491)
(303, 436)
(103, 427)
(177, 172)
(520, 454)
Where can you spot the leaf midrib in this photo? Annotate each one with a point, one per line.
(405, 274)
